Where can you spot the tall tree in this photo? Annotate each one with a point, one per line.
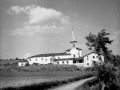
(106, 72)
(98, 43)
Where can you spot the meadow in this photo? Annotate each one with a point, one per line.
(51, 75)
(23, 81)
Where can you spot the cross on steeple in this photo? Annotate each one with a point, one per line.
(73, 39)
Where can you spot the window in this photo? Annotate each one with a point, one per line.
(87, 58)
(74, 55)
(63, 62)
(57, 62)
(80, 61)
(88, 64)
(67, 62)
(93, 56)
(36, 59)
(30, 59)
(58, 57)
(42, 59)
(74, 61)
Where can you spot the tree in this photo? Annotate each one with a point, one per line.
(16, 58)
(106, 72)
(99, 43)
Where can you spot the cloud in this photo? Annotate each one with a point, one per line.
(40, 19)
(115, 35)
(31, 29)
(27, 55)
(43, 39)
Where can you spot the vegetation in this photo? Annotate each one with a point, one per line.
(108, 74)
(39, 76)
(37, 83)
(36, 68)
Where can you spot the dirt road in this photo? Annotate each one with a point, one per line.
(72, 86)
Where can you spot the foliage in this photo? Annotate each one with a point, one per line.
(115, 59)
(99, 43)
(107, 72)
(107, 75)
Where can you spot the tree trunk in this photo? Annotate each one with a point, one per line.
(103, 86)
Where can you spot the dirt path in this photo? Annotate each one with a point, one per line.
(71, 86)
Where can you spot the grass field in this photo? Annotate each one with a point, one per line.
(17, 79)
(40, 75)
(23, 81)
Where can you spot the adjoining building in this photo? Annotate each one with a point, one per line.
(72, 56)
(23, 63)
(91, 59)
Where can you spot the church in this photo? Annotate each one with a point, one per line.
(72, 56)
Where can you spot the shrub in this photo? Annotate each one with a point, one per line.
(107, 74)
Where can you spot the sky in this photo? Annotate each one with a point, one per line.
(31, 27)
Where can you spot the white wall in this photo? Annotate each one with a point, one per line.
(76, 53)
(88, 60)
(80, 52)
(46, 60)
(66, 62)
(63, 57)
(40, 60)
(22, 63)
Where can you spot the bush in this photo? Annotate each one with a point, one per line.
(107, 74)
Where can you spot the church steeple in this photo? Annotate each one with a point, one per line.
(73, 39)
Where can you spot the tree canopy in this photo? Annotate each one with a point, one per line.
(98, 43)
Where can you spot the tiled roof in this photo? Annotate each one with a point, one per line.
(68, 59)
(49, 54)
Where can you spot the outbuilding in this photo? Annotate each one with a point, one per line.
(22, 63)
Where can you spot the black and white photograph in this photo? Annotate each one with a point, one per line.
(59, 44)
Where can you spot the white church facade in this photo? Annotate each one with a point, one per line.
(72, 56)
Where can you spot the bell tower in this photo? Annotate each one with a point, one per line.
(73, 42)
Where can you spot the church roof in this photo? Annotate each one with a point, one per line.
(81, 58)
(91, 53)
(71, 48)
(49, 54)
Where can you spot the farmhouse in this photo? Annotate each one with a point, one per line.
(92, 58)
(72, 56)
(22, 63)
